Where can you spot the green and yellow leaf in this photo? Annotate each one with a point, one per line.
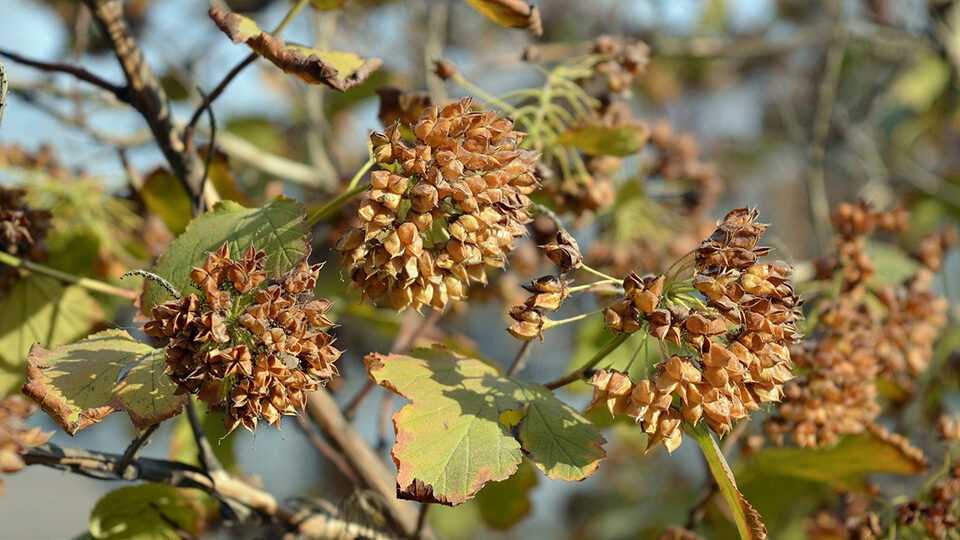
(601, 140)
(510, 13)
(149, 512)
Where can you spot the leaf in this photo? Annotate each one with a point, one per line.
(336, 69)
(920, 86)
(845, 465)
(38, 309)
(504, 504)
(148, 512)
(745, 516)
(80, 384)
(510, 13)
(639, 355)
(892, 264)
(165, 196)
(606, 140)
(455, 435)
(327, 5)
(277, 228)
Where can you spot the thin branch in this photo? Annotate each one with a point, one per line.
(3, 91)
(147, 96)
(135, 445)
(520, 360)
(205, 454)
(421, 520)
(105, 466)
(236, 70)
(86, 283)
(328, 451)
(77, 72)
(581, 372)
(198, 201)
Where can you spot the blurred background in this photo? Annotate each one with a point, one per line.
(797, 104)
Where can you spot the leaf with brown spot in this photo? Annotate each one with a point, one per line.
(457, 433)
(81, 383)
(510, 13)
(337, 69)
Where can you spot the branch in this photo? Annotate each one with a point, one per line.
(147, 96)
(80, 73)
(104, 466)
(582, 371)
(3, 91)
(205, 455)
(86, 283)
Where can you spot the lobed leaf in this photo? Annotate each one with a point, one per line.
(39, 309)
(336, 69)
(148, 512)
(81, 383)
(601, 140)
(278, 228)
(457, 433)
(510, 13)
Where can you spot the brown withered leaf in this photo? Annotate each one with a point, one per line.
(337, 69)
(81, 383)
(395, 104)
(510, 13)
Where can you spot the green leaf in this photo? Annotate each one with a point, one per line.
(456, 435)
(748, 521)
(845, 465)
(510, 13)
(166, 197)
(81, 383)
(148, 512)
(38, 309)
(636, 356)
(892, 264)
(277, 228)
(504, 504)
(606, 140)
(327, 5)
(920, 86)
(336, 69)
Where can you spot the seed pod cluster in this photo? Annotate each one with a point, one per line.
(740, 333)
(546, 294)
(938, 514)
(15, 437)
(245, 343)
(854, 343)
(443, 207)
(622, 61)
(22, 229)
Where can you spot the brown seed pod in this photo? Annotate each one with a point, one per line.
(442, 209)
(15, 437)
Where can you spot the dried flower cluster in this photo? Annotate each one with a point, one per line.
(442, 208)
(623, 60)
(853, 344)
(247, 344)
(15, 437)
(939, 514)
(22, 229)
(737, 337)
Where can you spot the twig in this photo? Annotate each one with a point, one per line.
(579, 373)
(520, 360)
(421, 520)
(147, 96)
(135, 445)
(105, 466)
(3, 91)
(205, 455)
(80, 73)
(198, 201)
(241, 150)
(328, 451)
(86, 283)
(826, 95)
(236, 70)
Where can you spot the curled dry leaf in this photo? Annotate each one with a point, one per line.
(81, 383)
(337, 69)
(510, 13)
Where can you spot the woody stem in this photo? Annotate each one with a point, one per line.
(86, 283)
(597, 358)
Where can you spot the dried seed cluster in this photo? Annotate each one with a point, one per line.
(623, 60)
(939, 514)
(443, 207)
(546, 294)
(250, 345)
(22, 229)
(15, 437)
(852, 344)
(738, 337)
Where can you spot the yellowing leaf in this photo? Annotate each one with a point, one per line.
(504, 504)
(148, 512)
(81, 383)
(166, 197)
(918, 87)
(338, 70)
(606, 140)
(452, 439)
(39, 309)
(327, 5)
(845, 465)
(277, 228)
(510, 13)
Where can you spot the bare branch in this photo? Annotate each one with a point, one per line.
(80, 73)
